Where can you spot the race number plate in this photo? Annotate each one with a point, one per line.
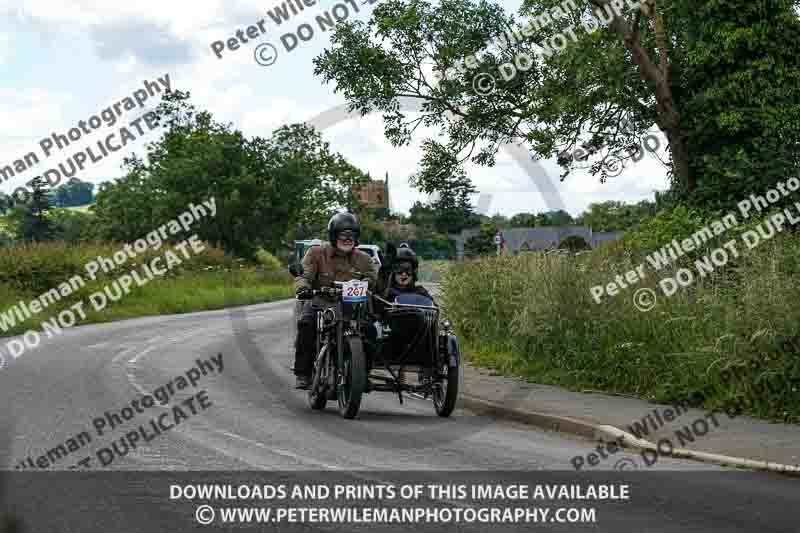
(354, 291)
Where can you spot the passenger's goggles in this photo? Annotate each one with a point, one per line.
(403, 268)
(346, 234)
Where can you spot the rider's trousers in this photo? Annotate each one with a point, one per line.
(306, 341)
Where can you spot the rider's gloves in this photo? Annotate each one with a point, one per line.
(303, 293)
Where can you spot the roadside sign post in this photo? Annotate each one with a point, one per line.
(498, 240)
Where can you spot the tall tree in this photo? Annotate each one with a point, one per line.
(523, 220)
(558, 218)
(30, 218)
(262, 187)
(483, 243)
(720, 79)
(73, 193)
(613, 215)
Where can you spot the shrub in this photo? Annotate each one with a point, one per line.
(268, 261)
(535, 313)
(38, 267)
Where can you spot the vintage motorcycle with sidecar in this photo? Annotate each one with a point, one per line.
(368, 344)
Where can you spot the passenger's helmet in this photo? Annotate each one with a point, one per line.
(342, 222)
(406, 255)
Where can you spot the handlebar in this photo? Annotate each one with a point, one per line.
(334, 291)
(323, 291)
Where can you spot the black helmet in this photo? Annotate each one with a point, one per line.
(341, 222)
(407, 255)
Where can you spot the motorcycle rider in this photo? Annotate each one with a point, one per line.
(336, 260)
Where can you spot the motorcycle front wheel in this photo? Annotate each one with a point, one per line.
(317, 396)
(352, 380)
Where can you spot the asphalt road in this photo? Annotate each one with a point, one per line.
(251, 419)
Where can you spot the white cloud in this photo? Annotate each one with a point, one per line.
(5, 48)
(254, 99)
(28, 115)
(180, 16)
(127, 65)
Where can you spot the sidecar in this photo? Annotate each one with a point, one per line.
(413, 352)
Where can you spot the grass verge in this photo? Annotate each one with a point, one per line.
(729, 340)
(209, 280)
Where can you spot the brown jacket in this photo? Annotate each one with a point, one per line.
(322, 265)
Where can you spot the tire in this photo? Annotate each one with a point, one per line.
(354, 375)
(444, 400)
(316, 397)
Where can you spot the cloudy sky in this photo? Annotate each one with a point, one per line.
(62, 61)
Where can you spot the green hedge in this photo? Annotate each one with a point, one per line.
(534, 315)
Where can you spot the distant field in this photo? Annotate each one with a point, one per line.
(82, 208)
(208, 280)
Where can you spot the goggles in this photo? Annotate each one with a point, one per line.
(403, 268)
(346, 234)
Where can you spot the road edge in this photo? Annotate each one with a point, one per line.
(608, 433)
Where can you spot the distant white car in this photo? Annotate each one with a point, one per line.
(371, 250)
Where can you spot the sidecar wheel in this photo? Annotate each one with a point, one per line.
(353, 379)
(445, 393)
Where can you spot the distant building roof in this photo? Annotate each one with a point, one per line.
(540, 238)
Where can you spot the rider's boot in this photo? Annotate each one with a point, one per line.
(302, 382)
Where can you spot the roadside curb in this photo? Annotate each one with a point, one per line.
(606, 433)
(630, 441)
(558, 423)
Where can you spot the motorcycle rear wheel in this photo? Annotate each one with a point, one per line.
(353, 377)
